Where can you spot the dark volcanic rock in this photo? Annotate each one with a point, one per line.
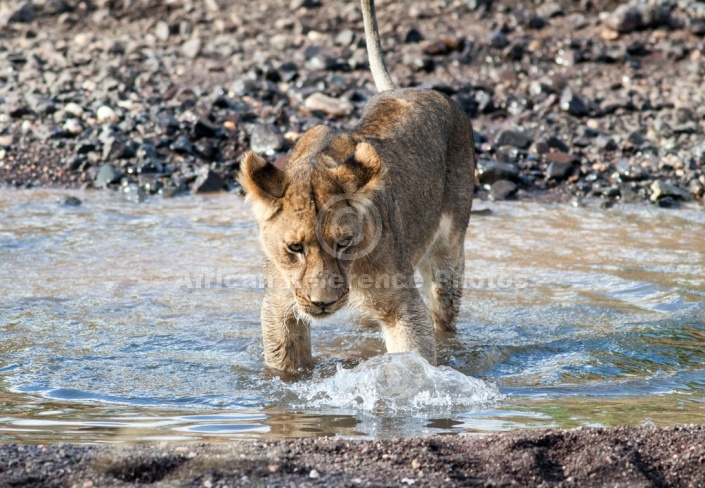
(476, 4)
(668, 202)
(503, 190)
(413, 35)
(514, 138)
(697, 27)
(70, 201)
(536, 22)
(181, 145)
(555, 143)
(208, 181)
(306, 4)
(628, 172)
(572, 103)
(498, 39)
(23, 13)
(492, 171)
(559, 170)
(204, 128)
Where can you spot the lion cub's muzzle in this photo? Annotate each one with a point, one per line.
(322, 306)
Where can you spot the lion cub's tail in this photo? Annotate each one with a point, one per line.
(374, 48)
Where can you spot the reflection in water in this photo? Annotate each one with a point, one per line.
(123, 322)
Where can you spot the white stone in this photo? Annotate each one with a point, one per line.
(106, 114)
(74, 109)
(73, 126)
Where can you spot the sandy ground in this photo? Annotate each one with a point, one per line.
(621, 456)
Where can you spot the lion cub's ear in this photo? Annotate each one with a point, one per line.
(264, 184)
(362, 173)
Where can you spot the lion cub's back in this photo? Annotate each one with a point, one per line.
(426, 143)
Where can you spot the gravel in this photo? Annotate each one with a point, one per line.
(170, 88)
(620, 456)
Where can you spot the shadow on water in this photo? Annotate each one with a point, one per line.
(138, 323)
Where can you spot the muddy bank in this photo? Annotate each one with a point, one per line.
(569, 99)
(622, 456)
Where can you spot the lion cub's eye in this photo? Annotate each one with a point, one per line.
(344, 242)
(295, 247)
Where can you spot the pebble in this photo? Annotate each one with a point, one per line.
(503, 190)
(105, 114)
(625, 18)
(328, 105)
(477, 4)
(181, 145)
(191, 48)
(22, 14)
(208, 181)
(161, 31)
(345, 37)
(74, 109)
(559, 170)
(550, 10)
(661, 189)
(572, 103)
(668, 202)
(628, 172)
(266, 140)
(133, 193)
(556, 143)
(492, 171)
(106, 175)
(697, 27)
(514, 138)
(696, 188)
(498, 39)
(73, 126)
(413, 36)
(46, 132)
(70, 201)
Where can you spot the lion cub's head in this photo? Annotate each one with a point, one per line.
(316, 217)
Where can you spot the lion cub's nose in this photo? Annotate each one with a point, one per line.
(323, 304)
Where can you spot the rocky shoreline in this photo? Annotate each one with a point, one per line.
(620, 456)
(569, 99)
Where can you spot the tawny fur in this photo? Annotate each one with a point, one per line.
(408, 167)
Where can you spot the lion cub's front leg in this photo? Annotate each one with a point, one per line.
(405, 320)
(287, 338)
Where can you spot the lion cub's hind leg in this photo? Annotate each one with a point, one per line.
(442, 269)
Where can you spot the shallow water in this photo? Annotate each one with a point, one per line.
(140, 322)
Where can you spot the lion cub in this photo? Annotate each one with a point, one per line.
(354, 214)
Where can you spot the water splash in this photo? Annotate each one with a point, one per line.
(403, 382)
